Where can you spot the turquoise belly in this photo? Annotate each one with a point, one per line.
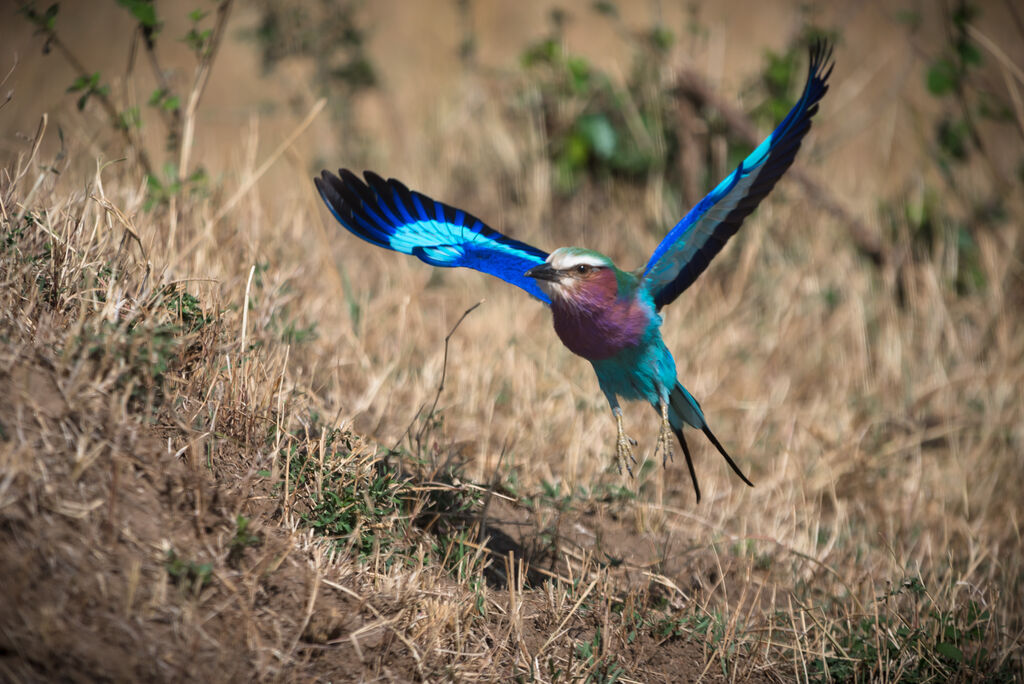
(646, 371)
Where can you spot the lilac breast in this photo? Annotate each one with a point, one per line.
(600, 330)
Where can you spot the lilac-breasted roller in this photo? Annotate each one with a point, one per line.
(606, 315)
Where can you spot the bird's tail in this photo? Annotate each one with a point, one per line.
(683, 408)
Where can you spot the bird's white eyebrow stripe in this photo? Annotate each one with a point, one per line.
(561, 262)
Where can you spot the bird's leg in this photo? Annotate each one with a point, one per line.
(623, 445)
(664, 437)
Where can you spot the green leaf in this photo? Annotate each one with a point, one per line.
(599, 134)
(146, 14)
(952, 137)
(662, 38)
(779, 72)
(947, 650)
(942, 77)
(129, 118)
(156, 96)
(579, 72)
(969, 53)
(143, 10)
(78, 84)
(964, 14)
(50, 16)
(153, 183)
(545, 52)
(576, 152)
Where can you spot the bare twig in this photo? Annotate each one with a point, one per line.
(1008, 67)
(278, 151)
(127, 132)
(171, 117)
(10, 93)
(444, 370)
(27, 202)
(199, 85)
(245, 310)
(249, 182)
(495, 479)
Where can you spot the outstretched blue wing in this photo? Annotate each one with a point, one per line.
(389, 215)
(689, 247)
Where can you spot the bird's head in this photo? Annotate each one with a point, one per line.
(572, 273)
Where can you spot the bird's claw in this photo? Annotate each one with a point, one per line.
(624, 448)
(624, 454)
(664, 447)
(664, 438)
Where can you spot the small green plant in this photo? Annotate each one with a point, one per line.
(199, 39)
(188, 574)
(365, 508)
(89, 85)
(242, 539)
(362, 502)
(950, 75)
(187, 309)
(935, 233)
(332, 36)
(137, 355)
(603, 669)
(909, 638)
(353, 499)
(135, 350)
(945, 224)
(161, 188)
(595, 127)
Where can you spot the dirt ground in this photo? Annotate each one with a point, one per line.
(90, 596)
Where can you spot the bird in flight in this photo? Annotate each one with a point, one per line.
(606, 315)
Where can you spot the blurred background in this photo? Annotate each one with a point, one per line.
(857, 347)
(403, 79)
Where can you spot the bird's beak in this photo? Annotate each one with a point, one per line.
(543, 272)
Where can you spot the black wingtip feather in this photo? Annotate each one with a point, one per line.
(791, 132)
(344, 195)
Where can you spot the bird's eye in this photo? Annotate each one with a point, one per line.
(583, 269)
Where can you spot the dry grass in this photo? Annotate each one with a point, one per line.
(194, 482)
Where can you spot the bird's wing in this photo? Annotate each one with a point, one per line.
(700, 235)
(389, 215)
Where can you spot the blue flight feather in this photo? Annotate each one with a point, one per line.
(688, 248)
(388, 214)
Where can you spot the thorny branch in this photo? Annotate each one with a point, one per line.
(108, 104)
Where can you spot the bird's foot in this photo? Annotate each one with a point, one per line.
(664, 445)
(624, 448)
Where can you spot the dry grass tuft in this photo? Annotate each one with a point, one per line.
(224, 454)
